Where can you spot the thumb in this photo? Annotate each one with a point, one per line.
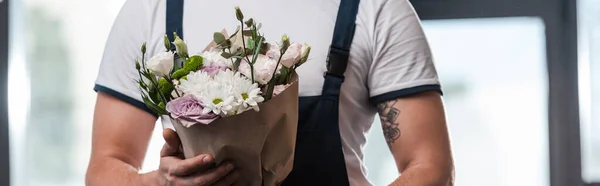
(172, 143)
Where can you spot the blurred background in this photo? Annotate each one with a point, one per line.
(521, 81)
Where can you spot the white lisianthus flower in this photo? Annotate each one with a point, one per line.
(161, 64)
(195, 83)
(263, 69)
(304, 54)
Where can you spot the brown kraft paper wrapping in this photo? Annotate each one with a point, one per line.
(260, 144)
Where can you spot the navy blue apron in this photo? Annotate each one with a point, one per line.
(319, 157)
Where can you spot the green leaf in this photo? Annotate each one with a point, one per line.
(250, 43)
(226, 55)
(153, 107)
(264, 48)
(218, 37)
(249, 22)
(153, 95)
(259, 26)
(225, 44)
(237, 62)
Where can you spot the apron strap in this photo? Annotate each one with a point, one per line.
(339, 51)
(174, 21)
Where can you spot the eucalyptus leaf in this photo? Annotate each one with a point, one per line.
(226, 55)
(264, 48)
(225, 44)
(247, 32)
(237, 62)
(250, 22)
(218, 37)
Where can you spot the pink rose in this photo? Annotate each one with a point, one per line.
(188, 110)
(263, 69)
(290, 57)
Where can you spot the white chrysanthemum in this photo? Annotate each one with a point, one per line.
(247, 94)
(195, 83)
(217, 98)
(225, 77)
(213, 58)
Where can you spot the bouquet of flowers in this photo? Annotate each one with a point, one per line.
(236, 100)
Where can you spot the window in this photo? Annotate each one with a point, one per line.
(54, 58)
(493, 73)
(589, 88)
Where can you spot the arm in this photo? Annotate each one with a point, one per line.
(404, 84)
(123, 124)
(415, 130)
(119, 142)
(120, 138)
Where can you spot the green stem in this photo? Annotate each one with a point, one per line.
(272, 82)
(232, 61)
(158, 90)
(171, 81)
(244, 42)
(254, 60)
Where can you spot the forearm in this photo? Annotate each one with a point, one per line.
(112, 171)
(425, 176)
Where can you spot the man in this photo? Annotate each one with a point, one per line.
(378, 50)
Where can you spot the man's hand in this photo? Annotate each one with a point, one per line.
(415, 130)
(196, 171)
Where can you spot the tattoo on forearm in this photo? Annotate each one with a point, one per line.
(388, 115)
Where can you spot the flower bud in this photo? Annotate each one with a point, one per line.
(144, 48)
(238, 14)
(285, 42)
(167, 42)
(137, 65)
(180, 46)
(304, 54)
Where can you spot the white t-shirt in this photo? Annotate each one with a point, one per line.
(389, 58)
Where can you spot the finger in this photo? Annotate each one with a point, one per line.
(228, 180)
(192, 165)
(206, 178)
(171, 147)
(171, 137)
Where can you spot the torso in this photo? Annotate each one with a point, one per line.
(307, 21)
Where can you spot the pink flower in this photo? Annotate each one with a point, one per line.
(290, 57)
(263, 69)
(188, 110)
(278, 89)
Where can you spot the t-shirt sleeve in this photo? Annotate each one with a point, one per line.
(402, 61)
(117, 75)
